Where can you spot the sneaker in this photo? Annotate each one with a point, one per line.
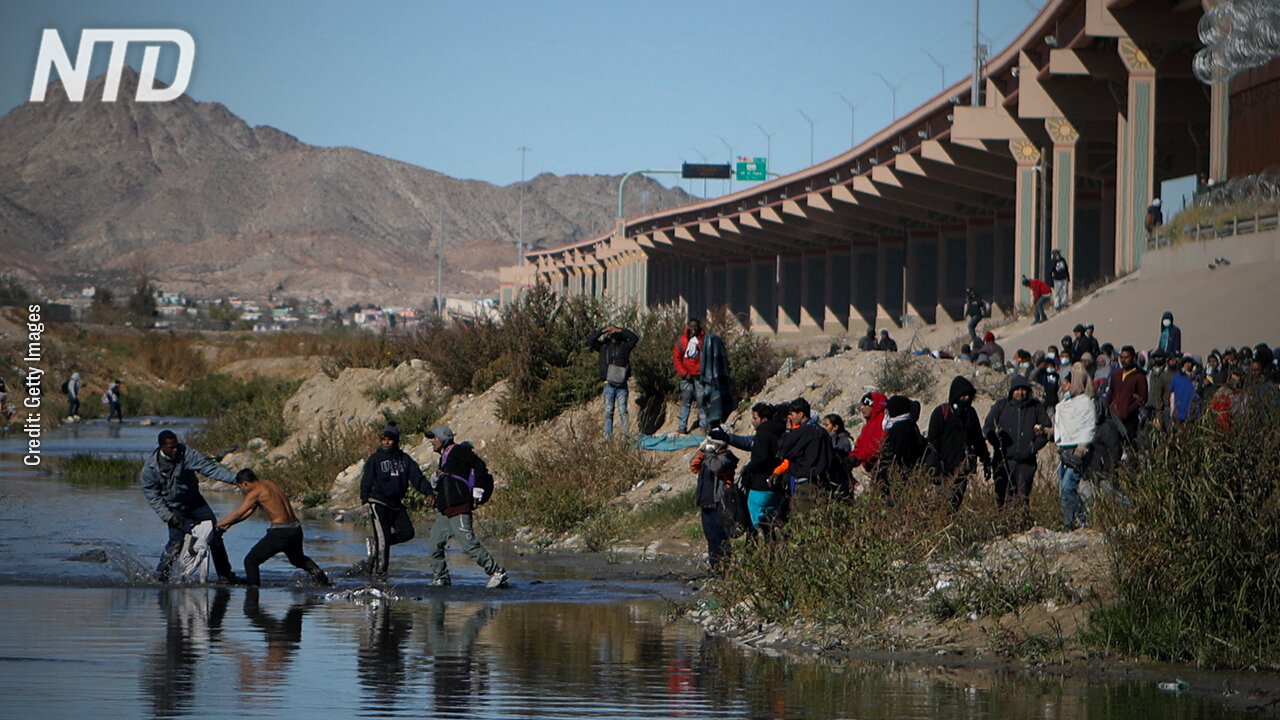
(441, 581)
(498, 579)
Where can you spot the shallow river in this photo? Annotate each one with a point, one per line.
(84, 635)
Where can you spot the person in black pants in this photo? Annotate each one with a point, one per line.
(284, 535)
(388, 473)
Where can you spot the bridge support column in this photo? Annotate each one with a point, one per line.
(764, 281)
(1028, 184)
(1136, 177)
(891, 263)
(838, 280)
(790, 292)
(953, 250)
(864, 271)
(1063, 224)
(922, 277)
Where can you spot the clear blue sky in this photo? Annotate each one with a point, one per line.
(599, 87)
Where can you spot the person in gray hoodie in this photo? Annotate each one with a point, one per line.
(170, 485)
(1017, 426)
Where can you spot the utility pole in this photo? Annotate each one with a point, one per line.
(440, 263)
(975, 82)
(520, 241)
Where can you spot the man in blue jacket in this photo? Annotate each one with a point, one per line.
(173, 491)
(388, 473)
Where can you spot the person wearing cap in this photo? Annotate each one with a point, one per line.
(866, 449)
(455, 495)
(1060, 275)
(388, 473)
(808, 460)
(1091, 343)
(991, 353)
(955, 436)
(714, 464)
(614, 345)
(1158, 384)
(172, 489)
(886, 343)
(903, 448)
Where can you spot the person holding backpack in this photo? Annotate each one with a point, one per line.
(714, 464)
(460, 484)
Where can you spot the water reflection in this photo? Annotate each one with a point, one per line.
(192, 627)
(262, 677)
(380, 657)
(455, 673)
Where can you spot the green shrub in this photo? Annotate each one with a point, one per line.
(461, 355)
(903, 374)
(241, 410)
(388, 391)
(547, 363)
(418, 418)
(1196, 545)
(563, 484)
(94, 470)
(854, 562)
(309, 472)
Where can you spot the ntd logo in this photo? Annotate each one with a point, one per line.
(54, 55)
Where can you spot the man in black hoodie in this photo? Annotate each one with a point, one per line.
(764, 499)
(1017, 427)
(955, 437)
(808, 459)
(388, 473)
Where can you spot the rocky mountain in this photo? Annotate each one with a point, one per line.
(189, 194)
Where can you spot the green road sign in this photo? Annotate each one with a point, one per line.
(752, 169)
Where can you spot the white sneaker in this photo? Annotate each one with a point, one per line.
(498, 579)
(441, 581)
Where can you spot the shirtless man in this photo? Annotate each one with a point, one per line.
(285, 533)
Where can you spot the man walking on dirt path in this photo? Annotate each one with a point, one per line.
(459, 487)
(284, 535)
(173, 491)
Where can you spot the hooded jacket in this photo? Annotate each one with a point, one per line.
(870, 440)
(387, 476)
(1171, 337)
(175, 490)
(614, 349)
(1010, 425)
(903, 446)
(764, 451)
(714, 470)
(955, 433)
(457, 461)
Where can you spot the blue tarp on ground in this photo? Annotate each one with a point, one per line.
(669, 442)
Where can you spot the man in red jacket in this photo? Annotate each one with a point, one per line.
(687, 356)
(1040, 293)
(866, 449)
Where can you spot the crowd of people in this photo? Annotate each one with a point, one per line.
(1098, 405)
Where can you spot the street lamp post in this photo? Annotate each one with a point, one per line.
(811, 121)
(853, 110)
(520, 240)
(768, 144)
(729, 147)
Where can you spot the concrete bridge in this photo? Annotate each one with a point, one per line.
(1077, 121)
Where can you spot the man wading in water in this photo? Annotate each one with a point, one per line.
(284, 535)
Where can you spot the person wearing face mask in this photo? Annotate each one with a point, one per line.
(955, 437)
(1017, 427)
(1046, 376)
(1157, 407)
(1170, 335)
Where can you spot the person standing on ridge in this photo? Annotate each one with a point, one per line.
(614, 344)
(1060, 275)
(687, 357)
